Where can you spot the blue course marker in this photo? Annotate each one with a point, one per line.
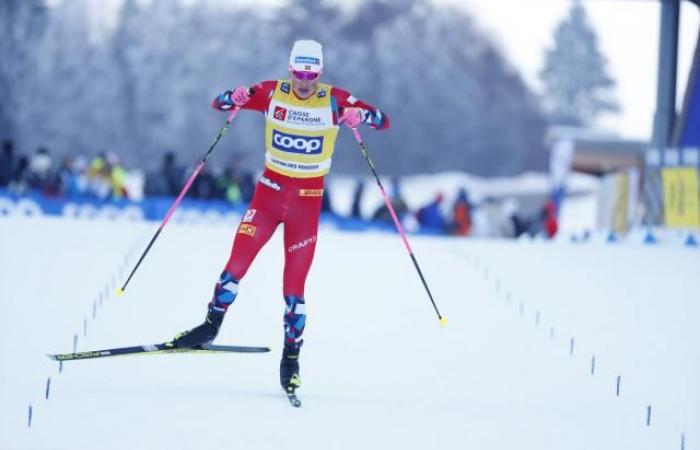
(617, 388)
(48, 387)
(29, 419)
(648, 415)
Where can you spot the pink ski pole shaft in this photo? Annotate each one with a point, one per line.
(363, 148)
(179, 198)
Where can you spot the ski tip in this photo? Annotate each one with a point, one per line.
(119, 292)
(51, 357)
(443, 321)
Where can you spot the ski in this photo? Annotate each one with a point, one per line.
(166, 347)
(293, 399)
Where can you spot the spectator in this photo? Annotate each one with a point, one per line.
(246, 182)
(521, 224)
(166, 180)
(461, 214)
(65, 177)
(383, 214)
(173, 175)
(355, 211)
(236, 185)
(551, 224)
(118, 177)
(39, 171)
(510, 222)
(228, 184)
(7, 163)
(204, 186)
(20, 176)
(430, 217)
(79, 180)
(99, 182)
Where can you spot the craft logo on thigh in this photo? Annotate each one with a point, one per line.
(247, 228)
(302, 244)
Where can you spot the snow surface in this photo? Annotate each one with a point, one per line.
(378, 371)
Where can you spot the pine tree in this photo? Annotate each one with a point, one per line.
(577, 85)
(455, 102)
(23, 23)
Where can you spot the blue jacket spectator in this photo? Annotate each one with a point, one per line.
(430, 217)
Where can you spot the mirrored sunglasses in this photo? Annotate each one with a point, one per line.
(308, 76)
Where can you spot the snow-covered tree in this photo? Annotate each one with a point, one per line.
(578, 87)
(455, 102)
(75, 84)
(23, 24)
(145, 88)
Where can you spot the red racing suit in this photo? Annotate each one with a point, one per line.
(300, 139)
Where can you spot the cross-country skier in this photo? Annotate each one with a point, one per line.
(302, 119)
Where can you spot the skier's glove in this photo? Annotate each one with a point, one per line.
(353, 117)
(240, 96)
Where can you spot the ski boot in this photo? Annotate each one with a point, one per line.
(224, 294)
(289, 367)
(201, 334)
(289, 372)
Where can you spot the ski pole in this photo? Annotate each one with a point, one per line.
(200, 166)
(363, 148)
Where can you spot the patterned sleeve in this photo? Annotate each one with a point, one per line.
(259, 99)
(375, 117)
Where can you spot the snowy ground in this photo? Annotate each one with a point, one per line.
(378, 371)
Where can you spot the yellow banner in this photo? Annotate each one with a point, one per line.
(621, 205)
(681, 197)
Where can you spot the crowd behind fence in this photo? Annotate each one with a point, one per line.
(104, 178)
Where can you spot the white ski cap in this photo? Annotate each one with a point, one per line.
(307, 56)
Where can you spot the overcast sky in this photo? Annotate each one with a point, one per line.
(628, 32)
